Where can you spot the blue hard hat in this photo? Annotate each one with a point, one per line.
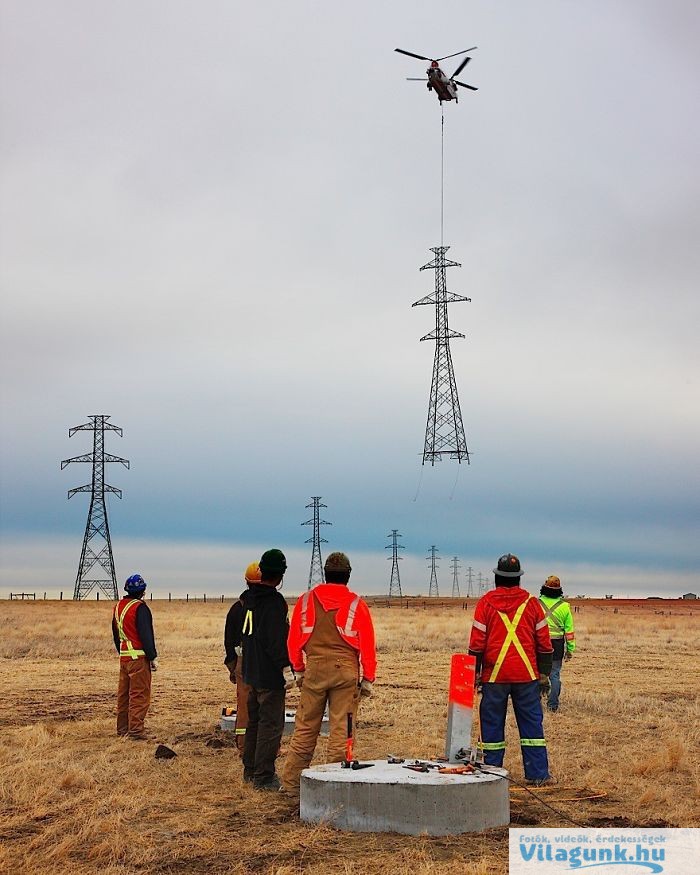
(135, 584)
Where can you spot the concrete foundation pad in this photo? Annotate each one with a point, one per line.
(390, 798)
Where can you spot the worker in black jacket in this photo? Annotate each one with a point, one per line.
(266, 670)
(233, 634)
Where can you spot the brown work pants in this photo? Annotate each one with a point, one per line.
(333, 679)
(242, 693)
(133, 696)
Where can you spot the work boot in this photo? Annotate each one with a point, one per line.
(248, 776)
(549, 781)
(272, 784)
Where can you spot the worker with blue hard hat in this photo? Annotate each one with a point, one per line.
(132, 630)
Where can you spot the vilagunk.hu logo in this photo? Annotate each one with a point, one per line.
(651, 859)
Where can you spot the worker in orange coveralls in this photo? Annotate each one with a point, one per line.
(331, 636)
(233, 642)
(132, 630)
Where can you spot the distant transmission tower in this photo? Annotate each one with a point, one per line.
(455, 578)
(395, 581)
(433, 573)
(316, 571)
(444, 431)
(470, 589)
(482, 584)
(96, 567)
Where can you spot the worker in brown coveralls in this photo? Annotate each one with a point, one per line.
(233, 640)
(132, 630)
(332, 626)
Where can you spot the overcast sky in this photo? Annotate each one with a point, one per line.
(213, 215)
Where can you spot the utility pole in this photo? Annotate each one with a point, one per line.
(433, 591)
(96, 566)
(395, 580)
(316, 574)
(470, 590)
(455, 578)
(444, 430)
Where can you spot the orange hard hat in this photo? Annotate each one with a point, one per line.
(252, 573)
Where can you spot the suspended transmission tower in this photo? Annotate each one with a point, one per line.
(470, 588)
(395, 580)
(444, 431)
(96, 567)
(455, 578)
(316, 571)
(433, 573)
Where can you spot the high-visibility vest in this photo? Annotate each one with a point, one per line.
(561, 623)
(126, 647)
(512, 638)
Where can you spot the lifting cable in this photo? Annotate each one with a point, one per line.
(442, 175)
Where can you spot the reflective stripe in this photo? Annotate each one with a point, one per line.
(239, 732)
(480, 626)
(570, 636)
(491, 745)
(549, 612)
(541, 624)
(248, 622)
(347, 631)
(304, 606)
(512, 638)
(533, 742)
(129, 650)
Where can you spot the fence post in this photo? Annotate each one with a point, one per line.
(60, 597)
(187, 597)
(205, 598)
(169, 597)
(98, 595)
(222, 600)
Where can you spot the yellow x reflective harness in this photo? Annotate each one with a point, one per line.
(512, 638)
(248, 623)
(129, 650)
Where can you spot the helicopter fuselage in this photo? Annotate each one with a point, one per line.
(444, 88)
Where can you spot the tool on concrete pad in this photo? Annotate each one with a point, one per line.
(466, 769)
(394, 761)
(421, 766)
(350, 762)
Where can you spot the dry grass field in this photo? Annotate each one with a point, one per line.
(75, 799)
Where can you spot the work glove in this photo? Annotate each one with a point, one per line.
(568, 655)
(299, 675)
(545, 685)
(154, 665)
(288, 678)
(231, 666)
(366, 688)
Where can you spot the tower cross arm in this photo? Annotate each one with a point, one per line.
(443, 335)
(86, 457)
(320, 522)
(311, 540)
(108, 457)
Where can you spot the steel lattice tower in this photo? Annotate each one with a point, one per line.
(455, 578)
(444, 431)
(96, 567)
(316, 574)
(482, 584)
(395, 580)
(470, 589)
(433, 591)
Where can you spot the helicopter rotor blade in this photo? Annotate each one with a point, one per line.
(414, 79)
(454, 54)
(464, 85)
(413, 55)
(461, 67)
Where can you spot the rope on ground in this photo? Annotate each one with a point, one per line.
(594, 794)
(534, 795)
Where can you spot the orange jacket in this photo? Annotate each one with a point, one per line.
(353, 622)
(489, 634)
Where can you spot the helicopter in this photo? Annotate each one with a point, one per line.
(444, 87)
